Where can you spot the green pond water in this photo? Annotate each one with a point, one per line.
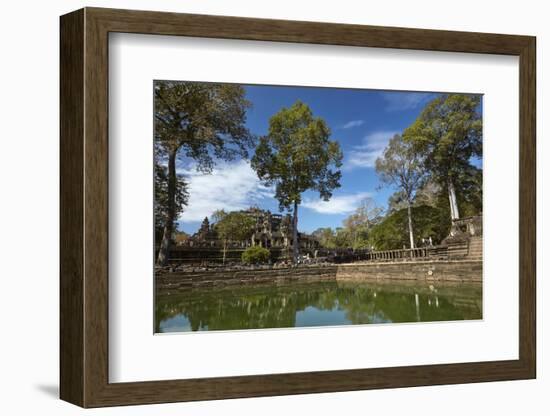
(315, 304)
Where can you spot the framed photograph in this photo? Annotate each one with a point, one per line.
(255, 207)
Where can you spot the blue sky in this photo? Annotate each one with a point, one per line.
(362, 121)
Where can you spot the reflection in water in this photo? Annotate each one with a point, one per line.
(315, 304)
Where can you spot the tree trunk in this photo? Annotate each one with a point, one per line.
(409, 214)
(452, 200)
(224, 251)
(295, 233)
(170, 213)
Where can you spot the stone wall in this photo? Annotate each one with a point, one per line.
(198, 278)
(453, 271)
(458, 271)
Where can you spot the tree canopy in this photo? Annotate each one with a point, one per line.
(400, 166)
(359, 224)
(297, 155)
(202, 122)
(161, 198)
(233, 226)
(392, 232)
(448, 133)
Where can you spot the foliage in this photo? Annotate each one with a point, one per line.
(429, 194)
(325, 237)
(202, 122)
(342, 238)
(337, 238)
(470, 197)
(161, 198)
(448, 133)
(255, 255)
(234, 225)
(397, 202)
(392, 233)
(356, 228)
(180, 237)
(360, 222)
(296, 155)
(400, 166)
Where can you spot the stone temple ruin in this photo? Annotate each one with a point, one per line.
(273, 231)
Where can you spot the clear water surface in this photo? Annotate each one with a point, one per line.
(315, 304)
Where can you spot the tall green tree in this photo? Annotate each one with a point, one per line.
(161, 198)
(340, 237)
(199, 121)
(360, 222)
(296, 155)
(428, 194)
(396, 202)
(448, 133)
(233, 226)
(325, 237)
(428, 222)
(401, 166)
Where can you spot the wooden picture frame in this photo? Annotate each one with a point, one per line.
(84, 207)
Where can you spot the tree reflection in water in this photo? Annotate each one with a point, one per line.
(315, 304)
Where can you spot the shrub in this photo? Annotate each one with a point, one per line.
(255, 255)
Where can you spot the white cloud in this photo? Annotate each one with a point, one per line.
(230, 186)
(353, 123)
(338, 204)
(365, 155)
(399, 101)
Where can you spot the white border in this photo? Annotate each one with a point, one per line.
(136, 355)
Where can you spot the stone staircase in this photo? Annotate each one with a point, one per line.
(475, 248)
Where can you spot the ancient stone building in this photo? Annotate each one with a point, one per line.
(205, 233)
(270, 231)
(275, 230)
